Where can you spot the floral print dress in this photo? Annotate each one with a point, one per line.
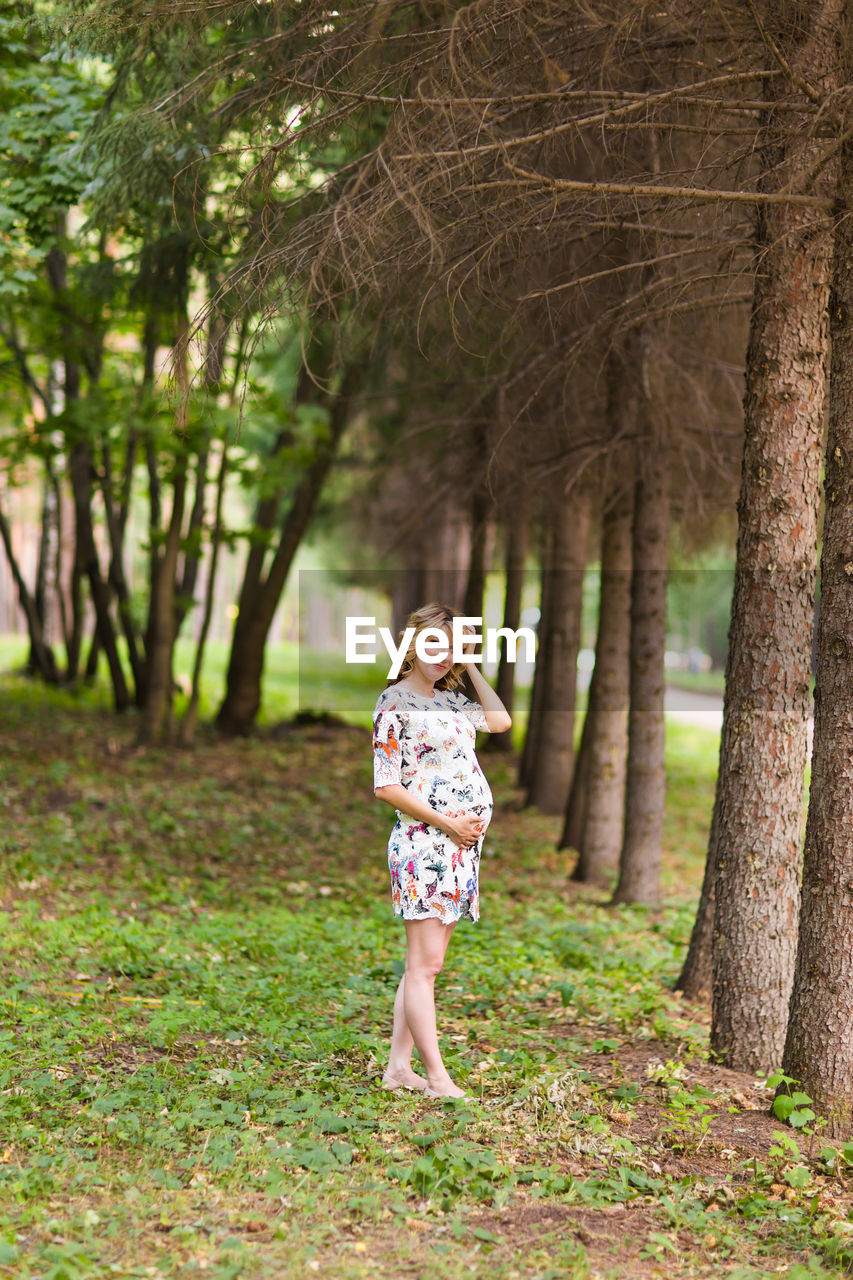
(427, 745)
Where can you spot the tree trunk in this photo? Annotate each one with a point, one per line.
(245, 667)
(819, 1043)
(158, 701)
(572, 833)
(515, 555)
(553, 747)
(601, 838)
(475, 580)
(407, 594)
(185, 595)
(640, 860)
(187, 730)
(80, 468)
(534, 712)
(40, 652)
(40, 592)
(116, 522)
(765, 712)
(696, 977)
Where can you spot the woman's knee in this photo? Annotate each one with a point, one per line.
(426, 964)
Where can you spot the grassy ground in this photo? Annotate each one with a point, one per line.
(199, 962)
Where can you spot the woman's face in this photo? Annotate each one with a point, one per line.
(434, 670)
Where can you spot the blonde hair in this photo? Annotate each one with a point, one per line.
(429, 617)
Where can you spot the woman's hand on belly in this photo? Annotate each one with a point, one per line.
(465, 828)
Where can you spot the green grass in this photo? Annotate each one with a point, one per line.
(199, 965)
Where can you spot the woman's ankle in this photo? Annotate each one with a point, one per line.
(436, 1078)
(398, 1067)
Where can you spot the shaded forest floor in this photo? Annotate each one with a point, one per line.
(199, 962)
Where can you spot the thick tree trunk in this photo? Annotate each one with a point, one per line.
(553, 747)
(763, 749)
(819, 1043)
(245, 668)
(515, 555)
(601, 838)
(640, 860)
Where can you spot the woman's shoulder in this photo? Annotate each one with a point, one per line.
(390, 699)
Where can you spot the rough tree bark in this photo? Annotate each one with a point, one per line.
(765, 711)
(601, 838)
(645, 786)
(553, 747)
(819, 1044)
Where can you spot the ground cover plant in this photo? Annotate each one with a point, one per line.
(199, 961)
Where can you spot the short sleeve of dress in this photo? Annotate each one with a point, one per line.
(473, 710)
(387, 732)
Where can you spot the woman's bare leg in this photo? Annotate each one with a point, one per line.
(399, 1070)
(426, 945)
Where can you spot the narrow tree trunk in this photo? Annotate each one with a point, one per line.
(515, 555)
(763, 748)
(475, 581)
(553, 748)
(640, 859)
(40, 592)
(696, 977)
(245, 668)
(601, 839)
(407, 594)
(40, 651)
(188, 724)
(91, 668)
(819, 1043)
(184, 599)
(572, 833)
(528, 750)
(160, 642)
(158, 700)
(116, 520)
(80, 468)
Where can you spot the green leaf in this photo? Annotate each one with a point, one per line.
(783, 1106)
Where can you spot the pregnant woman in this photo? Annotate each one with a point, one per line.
(425, 767)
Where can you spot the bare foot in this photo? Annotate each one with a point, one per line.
(444, 1089)
(402, 1079)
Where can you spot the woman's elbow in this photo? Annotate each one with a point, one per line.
(379, 792)
(503, 725)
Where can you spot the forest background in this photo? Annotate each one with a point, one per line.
(540, 310)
